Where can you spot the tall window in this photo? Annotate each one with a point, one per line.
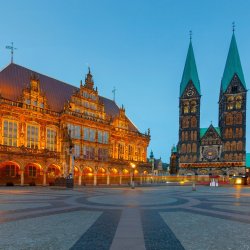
(89, 134)
(51, 139)
(105, 137)
(32, 136)
(32, 171)
(75, 131)
(11, 170)
(120, 151)
(10, 133)
(88, 153)
(102, 154)
(130, 152)
(100, 136)
(77, 150)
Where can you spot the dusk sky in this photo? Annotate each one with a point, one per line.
(137, 46)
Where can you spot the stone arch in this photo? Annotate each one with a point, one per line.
(10, 172)
(101, 175)
(33, 173)
(87, 175)
(53, 171)
(114, 175)
(238, 118)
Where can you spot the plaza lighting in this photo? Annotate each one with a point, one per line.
(133, 175)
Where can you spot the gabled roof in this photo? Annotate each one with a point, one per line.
(233, 66)
(204, 130)
(14, 78)
(190, 72)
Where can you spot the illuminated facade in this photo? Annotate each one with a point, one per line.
(213, 150)
(50, 129)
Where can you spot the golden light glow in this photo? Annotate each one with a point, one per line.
(90, 174)
(125, 171)
(238, 181)
(132, 165)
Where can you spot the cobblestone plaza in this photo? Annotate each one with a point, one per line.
(157, 217)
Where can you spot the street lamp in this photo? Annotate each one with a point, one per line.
(133, 175)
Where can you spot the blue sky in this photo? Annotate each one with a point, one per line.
(137, 46)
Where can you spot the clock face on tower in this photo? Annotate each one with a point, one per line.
(190, 92)
(210, 153)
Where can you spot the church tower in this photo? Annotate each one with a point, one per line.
(232, 108)
(189, 111)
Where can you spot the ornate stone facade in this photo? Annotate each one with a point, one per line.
(214, 150)
(51, 129)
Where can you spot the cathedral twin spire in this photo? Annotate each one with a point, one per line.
(190, 72)
(232, 67)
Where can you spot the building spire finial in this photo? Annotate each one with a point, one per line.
(233, 26)
(190, 35)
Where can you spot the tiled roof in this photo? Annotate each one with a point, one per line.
(204, 130)
(14, 78)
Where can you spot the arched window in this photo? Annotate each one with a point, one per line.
(230, 103)
(226, 157)
(229, 119)
(183, 148)
(186, 136)
(194, 147)
(240, 132)
(193, 106)
(238, 118)
(185, 122)
(188, 148)
(192, 135)
(233, 146)
(240, 157)
(186, 107)
(238, 102)
(195, 135)
(32, 171)
(193, 122)
(182, 136)
(239, 146)
(194, 158)
(227, 146)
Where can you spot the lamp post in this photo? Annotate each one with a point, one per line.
(133, 175)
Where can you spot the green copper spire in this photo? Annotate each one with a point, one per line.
(233, 66)
(190, 71)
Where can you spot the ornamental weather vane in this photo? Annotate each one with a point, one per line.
(11, 50)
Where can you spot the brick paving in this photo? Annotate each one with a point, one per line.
(163, 217)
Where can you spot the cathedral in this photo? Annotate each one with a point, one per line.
(51, 129)
(213, 150)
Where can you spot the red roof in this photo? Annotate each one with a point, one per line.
(14, 78)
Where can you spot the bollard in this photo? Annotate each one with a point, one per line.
(193, 187)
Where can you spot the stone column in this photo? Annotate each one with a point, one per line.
(44, 178)
(120, 181)
(108, 179)
(22, 178)
(95, 179)
(141, 179)
(79, 180)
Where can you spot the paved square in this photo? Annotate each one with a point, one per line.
(165, 217)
